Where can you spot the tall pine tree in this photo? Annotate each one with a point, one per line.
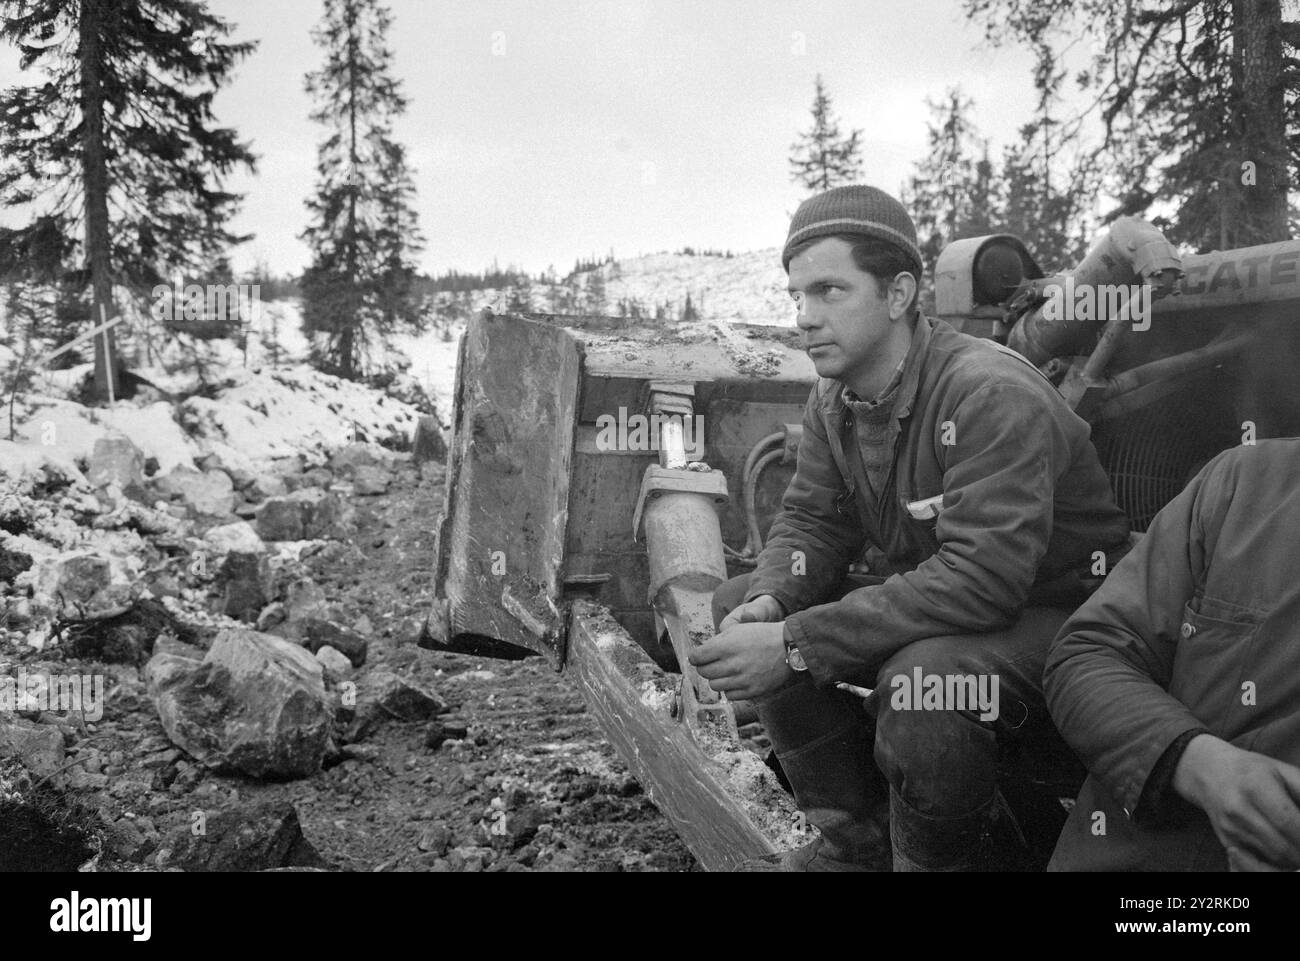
(1198, 102)
(363, 231)
(1047, 188)
(118, 147)
(823, 157)
(953, 192)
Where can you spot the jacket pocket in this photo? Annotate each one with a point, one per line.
(1214, 659)
(925, 509)
(920, 513)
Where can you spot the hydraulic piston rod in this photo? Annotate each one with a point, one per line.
(678, 509)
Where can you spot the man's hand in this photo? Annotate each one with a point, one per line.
(765, 608)
(745, 661)
(1253, 801)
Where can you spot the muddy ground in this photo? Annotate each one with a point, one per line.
(516, 777)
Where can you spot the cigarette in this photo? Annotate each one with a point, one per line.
(862, 692)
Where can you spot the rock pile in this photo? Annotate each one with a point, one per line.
(198, 572)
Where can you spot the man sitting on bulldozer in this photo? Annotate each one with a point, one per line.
(979, 498)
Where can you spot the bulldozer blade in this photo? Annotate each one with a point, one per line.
(501, 538)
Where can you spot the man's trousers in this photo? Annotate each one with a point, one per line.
(938, 763)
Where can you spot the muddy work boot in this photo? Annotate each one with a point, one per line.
(818, 856)
(978, 841)
(837, 788)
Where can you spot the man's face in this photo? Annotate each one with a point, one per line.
(844, 319)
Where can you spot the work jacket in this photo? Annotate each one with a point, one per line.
(1194, 630)
(1002, 478)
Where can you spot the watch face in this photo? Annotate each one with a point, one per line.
(795, 659)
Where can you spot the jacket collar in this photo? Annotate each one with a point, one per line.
(833, 395)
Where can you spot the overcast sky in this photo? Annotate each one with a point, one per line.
(545, 130)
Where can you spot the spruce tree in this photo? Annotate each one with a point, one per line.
(824, 157)
(363, 231)
(1197, 103)
(596, 292)
(688, 309)
(951, 194)
(1047, 192)
(118, 147)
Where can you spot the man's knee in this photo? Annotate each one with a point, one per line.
(728, 596)
(936, 700)
(930, 687)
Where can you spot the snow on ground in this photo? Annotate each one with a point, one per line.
(24, 459)
(279, 413)
(255, 417)
(433, 364)
(67, 431)
(264, 402)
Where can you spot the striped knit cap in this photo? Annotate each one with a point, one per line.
(856, 209)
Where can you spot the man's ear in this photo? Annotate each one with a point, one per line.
(903, 294)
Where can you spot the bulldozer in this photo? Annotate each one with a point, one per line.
(606, 474)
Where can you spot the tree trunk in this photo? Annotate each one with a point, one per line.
(1260, 99)
(347, 344)
(95, 179)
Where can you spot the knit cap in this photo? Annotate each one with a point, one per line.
(855, 209)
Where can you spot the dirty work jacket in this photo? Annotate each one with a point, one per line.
(1023, 499)
(1193, 630)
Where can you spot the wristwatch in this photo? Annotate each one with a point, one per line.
(792, 656)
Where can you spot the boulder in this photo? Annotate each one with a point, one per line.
(334, 661)
(76, 578)
(346, 460)
(281, 519)
(367, 479)
(115, 460)
(243, 578)
(210, 492)
(428, 445)
(237, 538)
(269, 485)
(399, 697)
(317, 633)
(307, 514)
(255, 704)
(12, 563)
(257, 837)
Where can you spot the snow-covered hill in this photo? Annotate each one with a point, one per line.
(748, 287)
(263, 402)
(745, 288)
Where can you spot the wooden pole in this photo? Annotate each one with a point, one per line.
(103, 323)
